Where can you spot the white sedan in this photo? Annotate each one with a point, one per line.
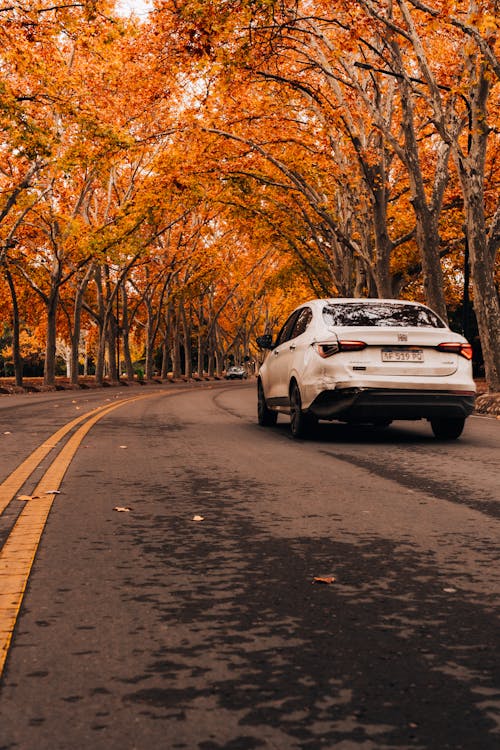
(368, 361)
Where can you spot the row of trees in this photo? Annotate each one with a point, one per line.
(169, 188)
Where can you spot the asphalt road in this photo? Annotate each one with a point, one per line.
(148, 629)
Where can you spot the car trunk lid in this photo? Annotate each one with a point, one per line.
(399, 351)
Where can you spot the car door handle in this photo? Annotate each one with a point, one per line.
(292, 347)
(276, 352)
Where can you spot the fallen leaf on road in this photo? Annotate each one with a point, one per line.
(198, 518)
(450, 591)
(123, 446)
(25, 497)
(52, 492)
(323, 579)
(121, 509)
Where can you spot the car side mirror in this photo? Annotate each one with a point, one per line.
(265, 342)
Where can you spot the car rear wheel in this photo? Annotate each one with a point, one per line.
(448, 429)
(302, 424)
(265, 416)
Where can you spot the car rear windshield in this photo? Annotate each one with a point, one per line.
(380, 314)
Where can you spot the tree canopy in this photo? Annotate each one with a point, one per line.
(174, 184)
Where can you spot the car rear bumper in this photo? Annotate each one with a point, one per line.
(381, 404)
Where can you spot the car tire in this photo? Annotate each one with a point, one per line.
(265, 417)
(302, 424)
(448, 428)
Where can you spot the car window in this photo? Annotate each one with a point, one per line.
(286, 331)
(303, 319)
(380, 314)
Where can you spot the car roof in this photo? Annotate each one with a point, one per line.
(363, 301)
(321, 302)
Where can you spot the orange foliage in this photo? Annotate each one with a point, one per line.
(197, 175)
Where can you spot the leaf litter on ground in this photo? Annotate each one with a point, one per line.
(324, 579)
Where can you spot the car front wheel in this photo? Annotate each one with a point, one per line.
(448, 429)
(302, 424)
(265, 417)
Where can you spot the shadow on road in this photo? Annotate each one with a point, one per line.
(397, 433)
(364, 661)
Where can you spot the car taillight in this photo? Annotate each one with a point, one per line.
(455, 347)
(351, 346)
(327, 350)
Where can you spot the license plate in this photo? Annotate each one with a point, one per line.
(402, 355)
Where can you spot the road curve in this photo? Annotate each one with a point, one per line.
(149, 629)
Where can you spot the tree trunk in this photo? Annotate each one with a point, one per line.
(211, 358)
(148, 360)
(218, 356)
(471, 169)
(165, 357)
(176, 348)
(383, 243)
(16, 348)
(218, 363)
(486, 302)
(49, 372)
(76, 331)
(101, 347)
(129, 368)
(201, 355)
(426, 216)
(186, 331)
(111, 340)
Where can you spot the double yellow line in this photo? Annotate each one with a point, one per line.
(18, 552)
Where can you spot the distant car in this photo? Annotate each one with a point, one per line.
(368, 361)
(236, 373)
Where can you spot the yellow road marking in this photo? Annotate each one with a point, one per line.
(18, 552)
(15, 481)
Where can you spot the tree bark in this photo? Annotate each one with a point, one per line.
(76, 328)
(102, 321)
(129, 368)
(470, 167)
(175, 352)
(49, 371)
(16, 348)
(426, 212)
(186, 335)
(111, 346)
